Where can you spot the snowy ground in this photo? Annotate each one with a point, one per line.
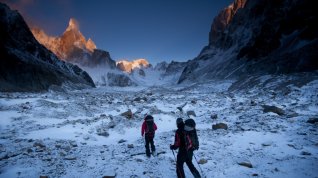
(60, 134)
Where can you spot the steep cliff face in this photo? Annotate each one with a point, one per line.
(26, 65)
(73, 47)
(223, 19)
(257, 38)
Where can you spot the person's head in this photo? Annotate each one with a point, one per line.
(179, 122)
(148, 118)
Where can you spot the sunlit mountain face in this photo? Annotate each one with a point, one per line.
(129, 66)
(73, 47)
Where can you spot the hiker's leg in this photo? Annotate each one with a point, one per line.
(153, 148)
(190, 165)
(147, 146)
(180, 162)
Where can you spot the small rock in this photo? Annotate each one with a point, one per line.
(73, 143)
(194, 101)
(312, 120)
(296, 147)
(139, 160)
(267, 144)
(246, 164)
(191, 113)
(110, 176)
(122, 141)
(44, 176)
(253, 103)
(180, 109)
(202, 161)
(128, 114)
(70, 158)
(130, 145)
(214, 116)
(219, 126)
(39, 144)
(305, 153)
(254, 175)
(111, 125)
(102, 133)
(273, 109)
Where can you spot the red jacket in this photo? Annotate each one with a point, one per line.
(144, 126)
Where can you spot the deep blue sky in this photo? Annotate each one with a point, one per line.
(158, 30)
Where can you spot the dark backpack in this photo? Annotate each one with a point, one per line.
(190, 134)
(150, 131)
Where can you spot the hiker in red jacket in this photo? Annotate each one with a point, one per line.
(148, 128)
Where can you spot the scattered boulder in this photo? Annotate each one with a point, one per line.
(194, 101)
(214, 116)
(44, 176)
(110, 176)
(312, 120)
(254, 175)
(305, 153)
(202, 161)
(102, 132)
(111, 125)
(267, 143)
(137, 99)
(180, 109)
(253, 103)
(39, 144)
(122, 141)
(128, 114)
(130, 146)
(246, 164)
(273, 109)
(191, 113)
(220, 126)
(70, 158)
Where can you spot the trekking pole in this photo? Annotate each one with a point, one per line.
(175, 159)
(198, 165)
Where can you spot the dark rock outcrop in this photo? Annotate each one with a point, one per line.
(26, 65)
(257, 38)
(120, 80)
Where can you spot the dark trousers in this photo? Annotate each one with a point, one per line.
(186, 157)
(149, 141)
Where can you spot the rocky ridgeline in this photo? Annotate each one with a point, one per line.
(28, 66)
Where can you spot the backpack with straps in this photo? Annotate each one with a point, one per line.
(150, 130)
(190, 134)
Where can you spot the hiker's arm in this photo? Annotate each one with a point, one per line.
(176, 142)
(154, 126)
(143, 128)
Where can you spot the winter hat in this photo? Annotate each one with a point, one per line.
(179, 120)
(149, 118)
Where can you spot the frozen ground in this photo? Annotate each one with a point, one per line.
(82, 133)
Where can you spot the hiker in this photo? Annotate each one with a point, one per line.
(148, 129)
(185, 153)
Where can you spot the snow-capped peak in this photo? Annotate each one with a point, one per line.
(73, 25)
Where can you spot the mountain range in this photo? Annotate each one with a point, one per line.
(26, 65)
(247, 38)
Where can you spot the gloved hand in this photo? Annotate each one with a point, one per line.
(172, 147)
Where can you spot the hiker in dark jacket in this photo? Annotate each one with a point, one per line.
(184, 155)
(148, 129)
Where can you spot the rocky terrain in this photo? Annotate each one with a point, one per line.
(26, 65)
(264, 127)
